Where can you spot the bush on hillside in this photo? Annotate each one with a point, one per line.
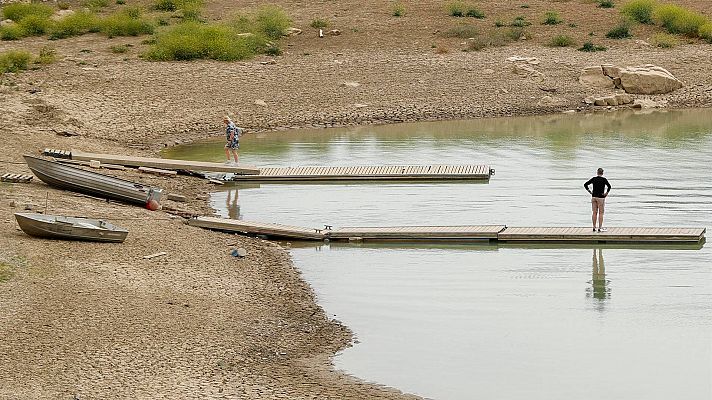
(679, 20)
(561, 41)
(35, 25)
(18, 11)
(75, 24)
(552, 18)
(590, 47)
(128, 22)
(11, 32)
(474, 13)
(640, 10)
(462, 31)
(14, 61)
(621, 31)
(271, 21)
(456, 9)
(705, 31)
(664, 40)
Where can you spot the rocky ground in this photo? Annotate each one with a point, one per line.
(99, 321)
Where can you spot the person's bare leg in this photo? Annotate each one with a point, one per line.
(227, 154)
(594, 213)
(600, 219)
(234, 154)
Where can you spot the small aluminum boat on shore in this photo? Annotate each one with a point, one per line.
(70, 228)
(76, 179)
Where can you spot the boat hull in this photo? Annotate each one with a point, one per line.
(69, 228)
(92, 183)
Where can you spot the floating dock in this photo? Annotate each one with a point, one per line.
(382, 172)
(491, 233)
(162, 163)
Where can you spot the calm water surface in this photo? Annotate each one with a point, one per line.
(507, 322)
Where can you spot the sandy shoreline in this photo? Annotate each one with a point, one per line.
(99, 321)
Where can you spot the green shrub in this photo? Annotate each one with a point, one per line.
(561, 41)
(173, 5)
(75, 24)
(606, 4)
(119, 49)
(462, 31)
(705, 31)
(517, 32)
(63, 5)
(474, 13)
(14, 61)
(11, 32)
(499, 23)
(520, 21)
(319, 23)
(121, 2)
(192, 40)
(273, 51)
(640, 10)
(590, 47)
(663, 40)
(126, 23)
(398, 10)
(456, 9)
(18, 11)
(552, 18)
(621, 31)
(271, 21)
(680, 20)
(165, 5)
(35, 25)
(47, 56)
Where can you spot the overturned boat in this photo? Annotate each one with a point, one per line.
(70, 228)
(76, 179)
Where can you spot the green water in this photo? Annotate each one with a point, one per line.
(509, 322)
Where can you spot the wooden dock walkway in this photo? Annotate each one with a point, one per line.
(492, 233)
(373, 172)
(258, 228)
(464, 232)
(612, 235)
(162, 163)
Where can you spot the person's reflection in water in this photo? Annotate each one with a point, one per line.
(599, 289)
(231, 204)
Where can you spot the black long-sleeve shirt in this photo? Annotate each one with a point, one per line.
(599, 183)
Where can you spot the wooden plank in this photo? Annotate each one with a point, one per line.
(257, 228)
(418, 232)
(163, 163)
(615, 234)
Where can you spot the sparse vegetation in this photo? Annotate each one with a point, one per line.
(47, 56)
(19, 11)
(271, 21)
(493, 39)
(606, 4)
(520, 21)
(96, 4)
(128, 22)
(5, 269)
(34, 25)
(319, 23)
(499, 23)
(63, 5)
(119, 49)
(590, 47)
(664, 40)
(120, 2)
(398, 10)
(456, 9)
(14, 61)
(75, 24)
(474, 13)
(620, 31)
(552, 18)
(192, 40)
(11, 32)
(463, 31)
(561, 41)
(640, 10)
(705, 31)
(676, 19)
(517, 33)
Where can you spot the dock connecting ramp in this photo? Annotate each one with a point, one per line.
(373, 172)
(492, 233)
(162, 163)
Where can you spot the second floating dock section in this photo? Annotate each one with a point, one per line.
(493, 233)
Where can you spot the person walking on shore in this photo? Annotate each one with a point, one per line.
(598, 198)
(232, 136)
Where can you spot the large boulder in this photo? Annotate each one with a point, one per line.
(648, 79)
(594, 77)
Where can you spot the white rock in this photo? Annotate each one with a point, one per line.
(352, 84)
(260, 102)
(623, 98)
(593, 77)
(551, 101)
(610, 100)
(611, 71)
(334, 32)
(7, 22)
(292, 31)
(360, 105)
(648, 79)
(60, 14)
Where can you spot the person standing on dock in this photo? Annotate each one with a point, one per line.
(598, 198)
(232, 136)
